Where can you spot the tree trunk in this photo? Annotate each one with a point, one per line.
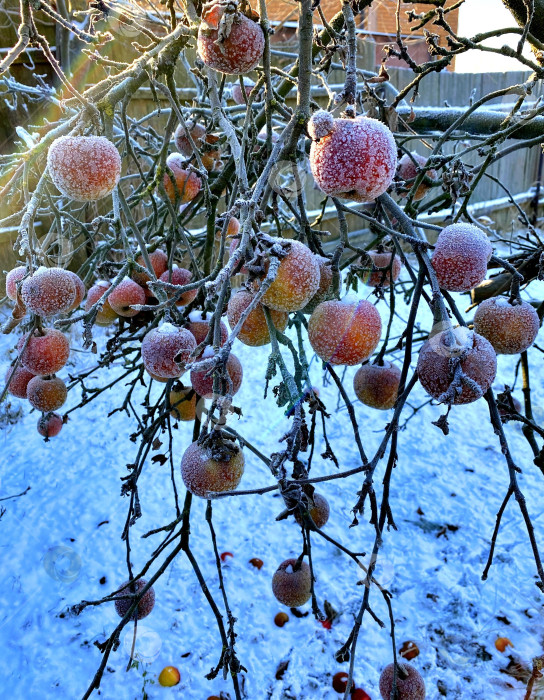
(519, 12)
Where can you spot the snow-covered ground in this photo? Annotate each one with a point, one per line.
(60, 543)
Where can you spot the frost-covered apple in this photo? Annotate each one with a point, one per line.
(159, 263)
(166, 349)
(199, 325)
(510, 328)
(377, 385)
(229, 42)
(46, 393)
(343, 332)
(202, 382)
(180, 277)
(388, 266)
(49, 291)
(460, 257)
(106, 316)
(183, 402)
(297, 279)
(248, 88)
(50, 425)
(292, 583)
(409, 167)
(12, 278)
(183, 184)
(47, 351)
(84, 168)
(254, 331)
(410, 683)
(129, 591)
(80, 290)
(319, 510)
(352, 158)
(324, 290)
(203, 474)
(18, 380)
(127, 294)
(469, 372)
(181, 137)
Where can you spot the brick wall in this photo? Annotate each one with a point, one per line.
(380, 17)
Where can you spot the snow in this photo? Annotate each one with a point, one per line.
(198, 316)
(62, 544)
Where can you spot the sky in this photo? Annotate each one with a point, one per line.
(482, 16)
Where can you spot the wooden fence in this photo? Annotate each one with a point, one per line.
(518, 172)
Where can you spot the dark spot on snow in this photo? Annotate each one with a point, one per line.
(482, 653)
(504, 619)
(282, 668)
